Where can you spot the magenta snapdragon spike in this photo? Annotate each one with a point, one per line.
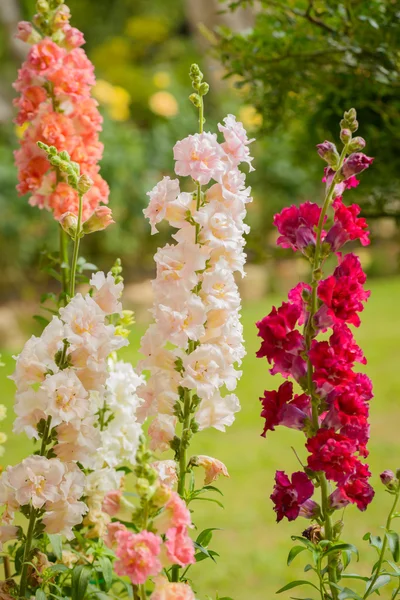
(329, 398)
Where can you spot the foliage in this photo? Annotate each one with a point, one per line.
(315, 57)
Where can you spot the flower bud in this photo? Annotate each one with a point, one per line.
(349, 120)
(161, 495)
(337, 529)
(328, 152)
(69, 223)
(338, 499)
(61, 17)
(195, 100)
(26, 33)
(309, 509)
(204, 89)
(355, 163)
(42, 6)
(389, 480)
(99, 220)
(356, 144)
(84, 184)
(345, 135)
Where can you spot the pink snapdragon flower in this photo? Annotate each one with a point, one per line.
(201, 157)
(236, 141)
(179, 547)
(296, 224)
(36, 479)
(347, 226)
(282, 408)
(137, 555)
(213, 468)
(161, 196)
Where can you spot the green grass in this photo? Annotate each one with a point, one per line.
(253, 547)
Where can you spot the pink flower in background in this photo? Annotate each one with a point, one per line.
(137, 555)
(112, 529)
(236, 141)
(161, 196)
(67, 118)
(112, 502)
(288, 496)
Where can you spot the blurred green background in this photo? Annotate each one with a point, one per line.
(288, 70)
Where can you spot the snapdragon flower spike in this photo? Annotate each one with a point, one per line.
(196, 338)
(60, 377)
(337, 429)
(55, 106)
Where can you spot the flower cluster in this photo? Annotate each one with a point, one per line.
(54, 102)
(163, 539)
(196, 300)
(331, 407)
(58, 376)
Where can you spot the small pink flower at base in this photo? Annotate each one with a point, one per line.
(347, 226)
(338, 499)
(112, 502)
(99, 220)
(69, 223)
(165, 590)
(333, 454)
(137, 555)
(179, 547)
(288, 496)
(281, 408)
(296, 224)
(26, 33)
(112, 529)
(212, 466)
(355, 163)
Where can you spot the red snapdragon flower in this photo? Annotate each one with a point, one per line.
(342, 293)
(296, 224)
(347, 226)
(333, 454)
(288, 496)
(282, 408)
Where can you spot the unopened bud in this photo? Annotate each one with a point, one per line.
(42, 6)
(328, 152)
(203, 89)
(355, 163)
(349, 120)
(356, 144)
(389, 480)
(345, 135)
(99, 220)
(195, 100)
(161, 496)
(69, 223)
(61, 17)
(26, 33)
(337, 529)
(84, 184)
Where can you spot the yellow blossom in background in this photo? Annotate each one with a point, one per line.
(249, 116)
(162, 79)
(115, 98)
(147, 29)
(20, 129)
(164, 104)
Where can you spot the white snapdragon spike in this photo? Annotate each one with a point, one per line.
(195, 342)
(120, 436)
(46, 484)
(61, 381)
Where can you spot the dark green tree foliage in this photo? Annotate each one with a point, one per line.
(305, 61)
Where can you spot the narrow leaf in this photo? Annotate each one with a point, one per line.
(80, 581)
(296, 583)
(293, 553)
(380, 582)
(106, 570)
(394, 544)
(56, 544)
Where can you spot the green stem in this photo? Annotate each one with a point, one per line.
(76, 248)
(143, 592)
(183, 449)
(32, 520)
(384, 545)
(309, 334)
(64, 261)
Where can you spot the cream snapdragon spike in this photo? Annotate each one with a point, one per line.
(196, 339)
(59, 377)
(55, 107)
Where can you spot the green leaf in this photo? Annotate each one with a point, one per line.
(394, 544)
(380, 582)
(203, 550)
(375, 541)
(80, 581)
(210, 500)
(296, 583)
(107, 572)
(348, 593)
(354, 576)
(205, 537)
(56, 544)
(57, 569)
(342, 548)
(212, 488)
(40, 595)
(41, 320)
(201, 556)
(293, 553)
